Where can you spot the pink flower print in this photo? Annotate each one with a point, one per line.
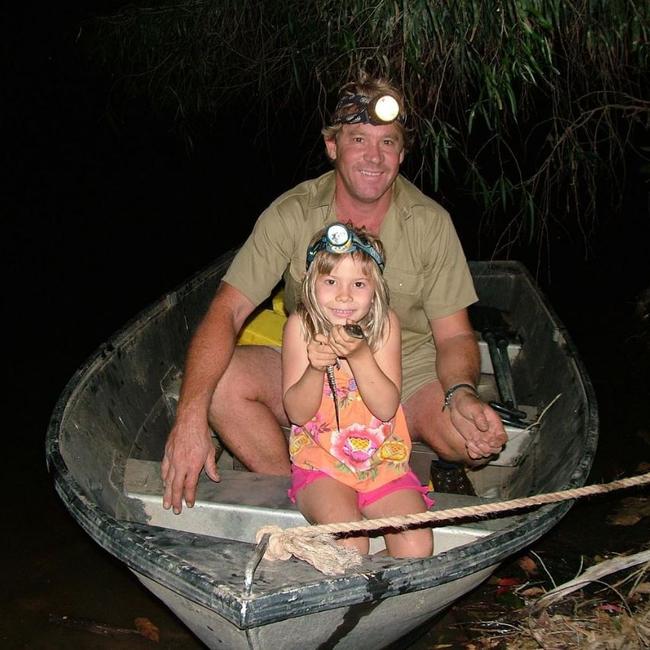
(342, 393)
(346, 393)
(315, 427)
(356, 445)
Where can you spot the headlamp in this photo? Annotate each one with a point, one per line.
(340, 239)
(355, 109)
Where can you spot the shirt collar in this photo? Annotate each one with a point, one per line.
(323, 197)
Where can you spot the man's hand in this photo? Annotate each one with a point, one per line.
(187, 452)
(478, 424)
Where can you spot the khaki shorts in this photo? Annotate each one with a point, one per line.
(418, 369)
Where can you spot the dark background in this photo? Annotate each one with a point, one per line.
(103, 212)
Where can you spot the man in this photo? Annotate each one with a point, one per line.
(237, 390)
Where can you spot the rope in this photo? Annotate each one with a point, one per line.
(316, 544)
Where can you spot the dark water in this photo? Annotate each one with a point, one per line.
(99, 221)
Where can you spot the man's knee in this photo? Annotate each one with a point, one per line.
(424, 416)
(429, 424)
(253, 378)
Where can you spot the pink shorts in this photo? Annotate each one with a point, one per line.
(301, 478)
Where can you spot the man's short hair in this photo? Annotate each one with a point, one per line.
(372, 88)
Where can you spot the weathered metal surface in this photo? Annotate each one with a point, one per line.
(108, 429)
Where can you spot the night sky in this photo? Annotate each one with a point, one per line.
(105, 209)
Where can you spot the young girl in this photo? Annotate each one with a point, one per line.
(341, 369)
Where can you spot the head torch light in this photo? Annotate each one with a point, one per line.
(340, 239)
(355, 109)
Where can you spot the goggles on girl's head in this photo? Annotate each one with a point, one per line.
(353, 109)
(340, 239)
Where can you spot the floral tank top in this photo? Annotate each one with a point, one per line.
(365, 453)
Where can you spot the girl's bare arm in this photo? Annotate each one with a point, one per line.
(379, 375)
(302, 372)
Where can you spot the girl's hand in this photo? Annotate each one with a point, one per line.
(320, 353)
(343, 343)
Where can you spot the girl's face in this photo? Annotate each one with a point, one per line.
(345, 294)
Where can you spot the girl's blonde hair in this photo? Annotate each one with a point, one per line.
(375, 323)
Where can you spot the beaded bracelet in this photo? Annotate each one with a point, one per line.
(450, 393)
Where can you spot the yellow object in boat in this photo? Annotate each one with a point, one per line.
(278, 303)
(266, 327)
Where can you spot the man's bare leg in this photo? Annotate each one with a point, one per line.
(428, 423)
(247, 411)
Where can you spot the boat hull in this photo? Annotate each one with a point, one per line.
(114, 416)
(375, 624)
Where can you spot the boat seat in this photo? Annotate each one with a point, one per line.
(231, 508)
(242, 502)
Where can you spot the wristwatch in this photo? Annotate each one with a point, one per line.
(449, 393)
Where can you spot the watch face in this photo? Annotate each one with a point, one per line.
(337, 235)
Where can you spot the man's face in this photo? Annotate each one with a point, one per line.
(367, 159)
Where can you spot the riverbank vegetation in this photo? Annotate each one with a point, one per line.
(533, 112)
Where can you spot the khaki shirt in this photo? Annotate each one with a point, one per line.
(426, 269)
